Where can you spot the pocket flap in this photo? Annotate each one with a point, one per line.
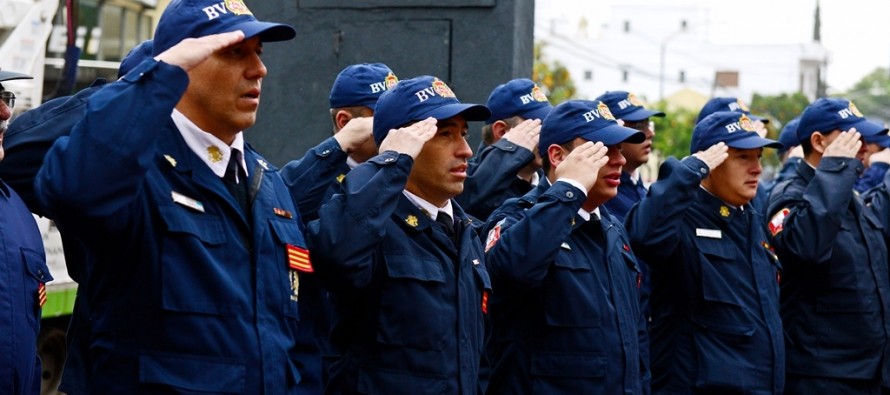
(288, 232)
(718, 248)
(483, 275)
(384, 382)
(846, 302)
(192, 374)
(204, 226)
(569, 364)
(36, 264)
(412, 267)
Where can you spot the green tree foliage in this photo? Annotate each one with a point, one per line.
(553, 77)
(779, 109)
(673, 133)
(872, 95)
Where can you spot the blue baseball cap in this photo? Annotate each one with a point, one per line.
(588, 119)
(134, 57)
(734, 129)
(788, 136)
(361, 85)
(417, 99)
(826, 115)
(11, 75)
(727, 104)
(519, 97)
(627, 106)
(197, 18)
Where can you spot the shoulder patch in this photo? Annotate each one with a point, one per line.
(777, 222)
(494, 235)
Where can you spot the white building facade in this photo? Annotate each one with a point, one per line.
(659, 50)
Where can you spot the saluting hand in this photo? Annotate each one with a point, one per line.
(355, 133)
(189, 53)
(525, 134)
(583, 163)
(410, 139)
(714, 155)
(845, 145)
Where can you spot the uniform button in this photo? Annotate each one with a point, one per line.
(703, 170)
(325, 152)
(570, 194)
(389, 160)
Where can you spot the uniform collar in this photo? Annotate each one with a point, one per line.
(718, 208)
(212, 151)
(428, 208)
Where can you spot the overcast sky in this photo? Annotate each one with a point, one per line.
(856, 32)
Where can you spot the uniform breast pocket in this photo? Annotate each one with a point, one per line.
(291, 262)
(720, 268)
(200, 273)
(34, 287)
(573, 295)
(413, 302)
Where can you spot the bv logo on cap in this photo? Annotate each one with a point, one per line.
(744, 124)
(237, 7)
(601, 111)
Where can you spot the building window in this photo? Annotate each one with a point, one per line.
(588, 75)
(626, 26)
(624, 75)
(682, 76)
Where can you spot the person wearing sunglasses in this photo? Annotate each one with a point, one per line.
(23, 275)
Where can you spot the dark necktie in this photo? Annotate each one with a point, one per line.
(447, 224)
(237, 186)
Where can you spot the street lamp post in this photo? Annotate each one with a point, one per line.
(664, 43)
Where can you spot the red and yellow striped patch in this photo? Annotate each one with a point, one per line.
(298, 259)
(484, 302)
(41, 294)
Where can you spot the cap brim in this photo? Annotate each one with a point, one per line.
(615, 134)
(759, 118)
(753, 140)
(9, 75)
(267, 31)
(641, 114)
(537, 113)
(471, 112)
(868, 128)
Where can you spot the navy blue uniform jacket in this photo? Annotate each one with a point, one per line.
(408, 303)
(184, 295)
(22, 271)
(835, 284)
(715, 291)
(565, 309)
(491, 178)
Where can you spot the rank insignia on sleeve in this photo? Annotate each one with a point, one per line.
(41, 294)
(282, 213)
(298, 259)
(777, 223)
(411, 221)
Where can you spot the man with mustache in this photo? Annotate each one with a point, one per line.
(401, 260)
(715, 294)
(23, 275)
(565, 311)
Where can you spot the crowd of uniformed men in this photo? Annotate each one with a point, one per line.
(391, 258)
